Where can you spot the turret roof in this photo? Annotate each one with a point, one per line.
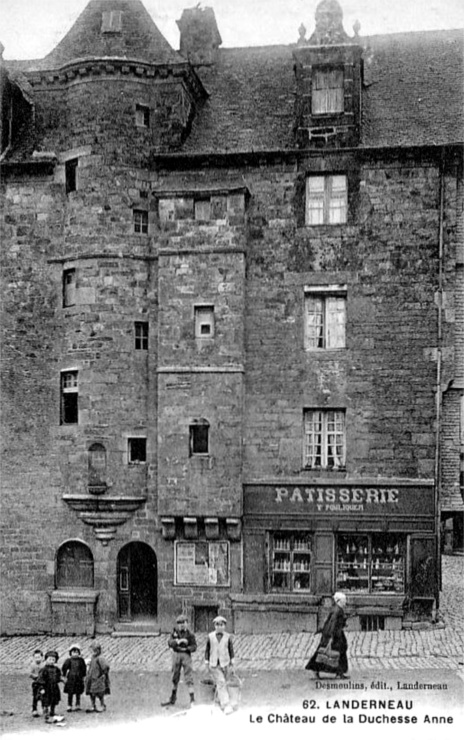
(138, 38)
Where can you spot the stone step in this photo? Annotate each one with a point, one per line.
(136, 629)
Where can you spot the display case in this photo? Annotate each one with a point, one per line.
(290, 562)
(387, 570)
(370, 563)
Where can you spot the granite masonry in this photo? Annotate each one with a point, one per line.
(233, 326)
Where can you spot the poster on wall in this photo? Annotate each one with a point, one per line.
(202, 563)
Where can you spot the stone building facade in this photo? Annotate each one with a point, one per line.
(232, 326)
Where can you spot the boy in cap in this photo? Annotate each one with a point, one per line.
(182, 643)
(219, 656)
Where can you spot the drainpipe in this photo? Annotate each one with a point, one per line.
(438, 394)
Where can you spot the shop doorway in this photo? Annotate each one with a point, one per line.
(137, 582)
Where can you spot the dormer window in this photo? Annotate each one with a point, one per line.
(327, 91)
(112, 21)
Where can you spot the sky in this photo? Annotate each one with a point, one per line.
(30, 29)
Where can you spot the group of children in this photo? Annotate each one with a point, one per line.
(219, 658)
(76, 677)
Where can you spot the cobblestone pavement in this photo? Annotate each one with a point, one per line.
(435, 647)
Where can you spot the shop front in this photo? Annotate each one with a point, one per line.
(375, 541)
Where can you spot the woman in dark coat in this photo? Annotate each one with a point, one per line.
(74, 670)
(332, 634)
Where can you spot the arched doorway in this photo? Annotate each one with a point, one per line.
(137, 582)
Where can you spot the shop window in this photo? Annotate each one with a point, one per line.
(204, 322)
(203, 209)
(371, 563)
(202, 563)
(199, 437)
(70, 172)
(141, 334)
(325, 319)
(324, 439)
(69, 397)
(328, 91)
(140, 221)
(142, 116)
(137, 450)
(74, 566)
(326, 199)
(290, 561)
(97, 464)
(69, 287)
(111, 21)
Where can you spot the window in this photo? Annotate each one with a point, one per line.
(324, 439)
(142, 115)
(325, 319)
(70, 170)
(290, 565)
(328, 93)
(203, 210)
(74, 566)
(202, 563)
(371, 563)
(199, 437)
(112, 21)
(326, 199)
(69, 287)
(69, 397)
(137, 450)
(204, 322)
(141, 334)
(140, 222)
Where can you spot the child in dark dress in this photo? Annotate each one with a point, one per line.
(49, 682)
(74, 670)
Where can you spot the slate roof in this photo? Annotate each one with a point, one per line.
(412, 95)
(412, 91)
(140, 38)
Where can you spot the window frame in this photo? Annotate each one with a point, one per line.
(327, 324)
(69, 294)
(321, 439)
(142, 115)
(372, 564)
(66, 391)
(141, 335)
(70, 175)
(194, 429)
(321, 204)
(320, 96)
(290, 554)
(207, 320)
(131, 443)
(140, 221)
(111, 21)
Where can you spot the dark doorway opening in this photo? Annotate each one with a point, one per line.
(137, 582)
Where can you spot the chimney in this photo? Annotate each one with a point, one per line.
(199, 35)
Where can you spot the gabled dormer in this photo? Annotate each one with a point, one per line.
(328, 83)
